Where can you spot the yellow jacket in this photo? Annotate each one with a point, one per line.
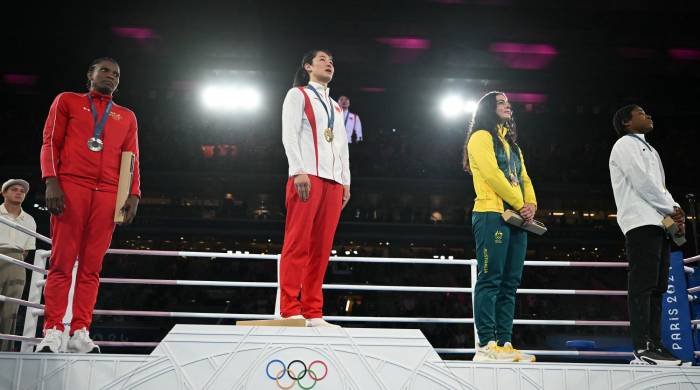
(490, 184)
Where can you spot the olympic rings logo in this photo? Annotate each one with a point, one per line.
(296, 377)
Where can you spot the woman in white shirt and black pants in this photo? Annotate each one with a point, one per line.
(642, 200)
(318, 187)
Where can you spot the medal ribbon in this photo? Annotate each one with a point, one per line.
(99, 125)
(329, 113)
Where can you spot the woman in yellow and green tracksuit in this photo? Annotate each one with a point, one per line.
(501, 182)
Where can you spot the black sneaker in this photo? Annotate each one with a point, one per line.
(655, 356)
(662, 351)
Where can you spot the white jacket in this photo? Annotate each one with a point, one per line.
(298, 137)
(639, 184)
(352, 125)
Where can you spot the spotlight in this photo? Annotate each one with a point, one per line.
(454, 106)
(230, 98)
(470, 106)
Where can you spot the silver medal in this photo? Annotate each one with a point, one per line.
(95, 144)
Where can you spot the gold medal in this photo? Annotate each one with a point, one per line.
(513, 181)
(328, 134)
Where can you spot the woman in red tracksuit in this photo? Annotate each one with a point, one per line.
(318, 187)
(84, 137)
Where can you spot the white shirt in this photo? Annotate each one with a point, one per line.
(639, 184)
(352, 125)
(11, 238)
(298, 138)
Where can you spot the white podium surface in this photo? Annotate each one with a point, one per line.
(217, 357)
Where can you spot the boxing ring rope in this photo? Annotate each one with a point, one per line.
(175, 314)
(691, 259)
(35, 309)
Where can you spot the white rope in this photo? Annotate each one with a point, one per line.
(211, 255)
(360, 259)
(153, 344)
(694, 289)
(142, 313)
(591, 264)
(23, 264)
(173, 314)
(31, 340)
(20, 302)
(103, 343)
(547, 291)
(167, 282)
(540, 352)
(25, 230)
(691, 259)
(145, 344)
(408, 260)
(177, 282)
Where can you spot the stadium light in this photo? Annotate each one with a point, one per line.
(470, 106)
(230, 98)
(454, 106)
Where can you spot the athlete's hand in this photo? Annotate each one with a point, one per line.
(129, 209)
(678, 215)
(55, 200)
(302, 183)
(346, 195)
(528, 212)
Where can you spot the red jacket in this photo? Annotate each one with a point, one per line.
(65, 154)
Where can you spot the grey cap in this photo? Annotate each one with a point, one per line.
(13, 182)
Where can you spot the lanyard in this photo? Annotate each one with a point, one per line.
(99, 125)
(512, 165)
(330, 114)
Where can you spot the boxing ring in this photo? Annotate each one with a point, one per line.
(463, 374)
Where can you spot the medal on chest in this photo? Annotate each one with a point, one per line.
(95, 143)
(330, 114)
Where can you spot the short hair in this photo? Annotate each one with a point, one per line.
(97, 61)
(621, 116)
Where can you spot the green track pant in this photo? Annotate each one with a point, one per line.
(500, 254)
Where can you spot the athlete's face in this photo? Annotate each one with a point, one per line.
(640, 122)
(344, 102)
(321, 68)
(503, 107)
(104, 77)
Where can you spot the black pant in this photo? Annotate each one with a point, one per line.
(648, 253)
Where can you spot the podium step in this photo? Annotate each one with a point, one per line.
(218, 357)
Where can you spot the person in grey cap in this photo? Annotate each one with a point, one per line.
(15, 244)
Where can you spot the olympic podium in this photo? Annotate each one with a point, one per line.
(261, 357)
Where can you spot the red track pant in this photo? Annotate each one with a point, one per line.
(83, 232)
(308, 239)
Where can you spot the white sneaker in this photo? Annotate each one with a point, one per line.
(487, 353)
(51, 342)
(296, 317)
(81, 342)
(507, 352)
(320, 323)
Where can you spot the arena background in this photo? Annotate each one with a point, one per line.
(212, 179)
